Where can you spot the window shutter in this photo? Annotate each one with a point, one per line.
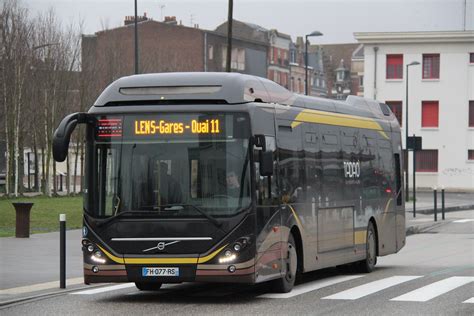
(429, 114)
(394, 67)
(397, 109)
(427, 160)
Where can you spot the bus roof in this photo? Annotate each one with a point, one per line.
(225, 88)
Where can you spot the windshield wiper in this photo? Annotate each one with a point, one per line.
(179, 207)
(108, 220)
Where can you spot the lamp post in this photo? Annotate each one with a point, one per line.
(136, 39)
(315, 33)
(413, 63)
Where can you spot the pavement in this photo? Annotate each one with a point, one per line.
(29, 267)
(432, 275)
(454, 201)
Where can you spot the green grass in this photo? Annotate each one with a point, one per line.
(44, 214)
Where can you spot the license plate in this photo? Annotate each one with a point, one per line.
(151, 272)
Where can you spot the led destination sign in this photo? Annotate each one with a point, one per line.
(164, 127)
(171, 126)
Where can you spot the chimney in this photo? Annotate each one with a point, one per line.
(130, 19)
(170, 20)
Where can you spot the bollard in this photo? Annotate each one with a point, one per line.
(435, 205)
(442, 203)
(22, 221)
(62, 251)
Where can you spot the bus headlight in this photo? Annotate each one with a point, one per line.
(237, 247)
(228, 257)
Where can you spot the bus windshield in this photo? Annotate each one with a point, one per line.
(169, 165)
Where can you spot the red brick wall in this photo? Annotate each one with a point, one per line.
(162, 48)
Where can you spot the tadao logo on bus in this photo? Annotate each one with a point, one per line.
(352, 169)
(153, 127)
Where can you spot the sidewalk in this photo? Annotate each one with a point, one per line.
(30, 266)
(453, 202)
(423, 223)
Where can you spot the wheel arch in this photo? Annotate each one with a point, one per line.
(295, 231)
(374, 223)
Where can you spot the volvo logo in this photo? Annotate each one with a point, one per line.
(161, 246)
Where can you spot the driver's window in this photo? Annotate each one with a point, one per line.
(266, 189)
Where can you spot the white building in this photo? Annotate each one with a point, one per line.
(440, 98)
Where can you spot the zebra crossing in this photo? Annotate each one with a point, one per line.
(424, 293)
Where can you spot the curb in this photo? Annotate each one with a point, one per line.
(446, 209)
(421, 228)
(5, 304)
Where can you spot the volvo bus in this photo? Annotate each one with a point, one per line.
(224, 177)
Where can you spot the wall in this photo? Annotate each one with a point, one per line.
(453, 90)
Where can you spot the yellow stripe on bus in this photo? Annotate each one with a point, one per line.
(360, 237)
(161, 260)
(314, 116)
(296, 216)
(210, 256)
(111, 256)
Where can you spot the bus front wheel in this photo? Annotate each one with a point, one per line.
(142, 286)
(286, 283)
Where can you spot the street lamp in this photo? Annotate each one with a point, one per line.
(136, 39)
(315, 33)
(413, 63)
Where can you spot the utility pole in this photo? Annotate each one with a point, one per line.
(136, 39)
(229, 36)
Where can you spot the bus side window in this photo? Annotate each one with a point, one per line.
(312, 158)
(291, 163)
(332, 166)
(266, 186)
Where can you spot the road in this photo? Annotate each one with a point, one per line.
(432, 275)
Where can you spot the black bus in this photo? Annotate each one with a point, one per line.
(218, 177)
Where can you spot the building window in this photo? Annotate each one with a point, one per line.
(427, 160)
(429, 113)
(394, 66)
(237, 61)
(471, 113)
(471, 58)
(210, 52)
(397, 109)
(470, 154)
(430, 66)
(293, 56)
(361, 81)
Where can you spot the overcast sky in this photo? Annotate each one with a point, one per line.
(336, 19)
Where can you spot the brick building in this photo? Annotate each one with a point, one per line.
(315, 62)
(337, 64)
(167, 47)
(249, 48)
(163, 47)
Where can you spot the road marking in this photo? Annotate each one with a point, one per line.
(372, 287)
(471, 300)
(40, 286)
(311, 286)
(433, 290)
(464, 220)
(105, 289)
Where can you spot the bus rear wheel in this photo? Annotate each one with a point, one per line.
(286, 283)
(148, 286)
(368, 265)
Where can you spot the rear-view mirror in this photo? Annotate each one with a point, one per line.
(266, 163)
(62, 135)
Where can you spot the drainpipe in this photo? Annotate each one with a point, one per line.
(375, 72)
(205, 51)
